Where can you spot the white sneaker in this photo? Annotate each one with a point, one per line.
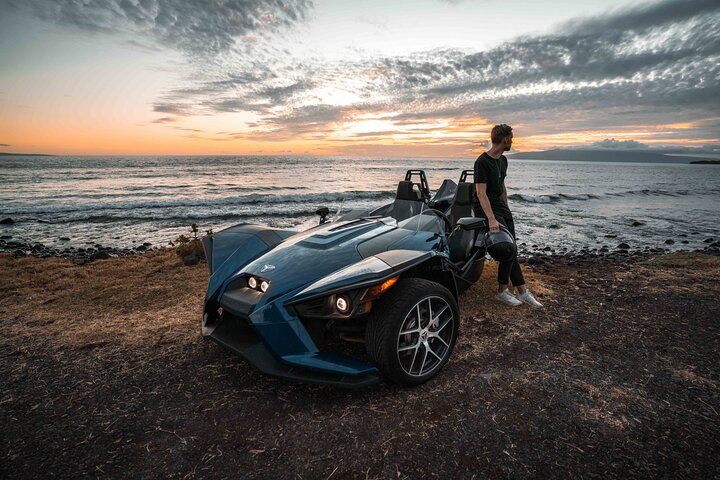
(508, 298)
(528, 298)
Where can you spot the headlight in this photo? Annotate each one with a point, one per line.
(349, 303)
(342, 304)
(264, 286)
(252, 283)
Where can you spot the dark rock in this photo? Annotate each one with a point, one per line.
(610, 235)
(623, 246)
(637, 224)
(7, 221)
(669, 242)
(5, 237)
(141, 248)
(554, 226)
(147, 244)
(100, 255)
(191, 259)
(64, 239)
(709, 240)
(547, 249)
(684, 241)
(534, 260)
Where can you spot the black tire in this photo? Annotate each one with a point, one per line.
(412, 299)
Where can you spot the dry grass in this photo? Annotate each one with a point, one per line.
(105, 373)
(691, 260)
(121, 301)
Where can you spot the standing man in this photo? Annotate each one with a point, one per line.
(492, 203)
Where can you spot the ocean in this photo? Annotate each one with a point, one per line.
(125, 201)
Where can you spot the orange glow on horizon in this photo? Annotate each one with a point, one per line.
(361, 134)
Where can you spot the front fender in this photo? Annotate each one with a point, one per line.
(369, 271)
(229, 250)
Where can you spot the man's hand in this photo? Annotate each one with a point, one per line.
(493, 224)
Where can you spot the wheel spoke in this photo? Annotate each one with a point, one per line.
(437, 332)
(441, 339)
(433, 352)
(422, 367)
(430, 315)
(417, 347)
(414, 330)
(408, 347)
(437, 317)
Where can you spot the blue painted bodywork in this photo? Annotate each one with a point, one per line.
(300, 260)
(346, 256)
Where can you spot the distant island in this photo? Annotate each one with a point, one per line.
(607, 156)
(10, 154)
(706, 162)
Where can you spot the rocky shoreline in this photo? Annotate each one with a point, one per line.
(95, 252)
(529, 254)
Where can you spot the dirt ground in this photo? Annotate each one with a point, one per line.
(104, 374)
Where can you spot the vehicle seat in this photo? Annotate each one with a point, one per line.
(405, 191)
(461, 204)
(462, 241)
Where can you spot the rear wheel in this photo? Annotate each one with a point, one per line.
(412, 330)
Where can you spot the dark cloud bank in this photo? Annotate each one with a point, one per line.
(653, 63)
(190, 26)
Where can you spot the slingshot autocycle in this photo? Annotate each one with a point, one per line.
(389, 278)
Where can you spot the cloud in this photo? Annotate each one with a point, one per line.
(648, 64)
(653, 63)
(165, 120)
(192, 27)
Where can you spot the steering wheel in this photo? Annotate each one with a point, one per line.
(445, 219)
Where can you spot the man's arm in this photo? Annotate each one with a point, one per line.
(504, 196)
(480, 190)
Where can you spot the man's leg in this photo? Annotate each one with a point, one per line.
(514, 270)
(504, 268)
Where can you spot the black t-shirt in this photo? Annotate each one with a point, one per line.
(492, 173)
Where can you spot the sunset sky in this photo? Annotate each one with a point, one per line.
(399, 78)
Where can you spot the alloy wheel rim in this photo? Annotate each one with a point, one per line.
(425, 335)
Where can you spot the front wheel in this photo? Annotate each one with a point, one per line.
(412, 330)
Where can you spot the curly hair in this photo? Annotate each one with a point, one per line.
(499, 132)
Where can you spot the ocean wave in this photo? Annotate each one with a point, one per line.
(551, 198)
(559, 197)
(191, 217)
(252, 199)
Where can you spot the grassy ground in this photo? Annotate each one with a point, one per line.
(104, 374)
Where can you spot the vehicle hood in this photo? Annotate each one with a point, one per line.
(308, 256)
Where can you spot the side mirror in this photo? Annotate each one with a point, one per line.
(471, 223)
(323, 212)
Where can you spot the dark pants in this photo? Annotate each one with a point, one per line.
(510, 270)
